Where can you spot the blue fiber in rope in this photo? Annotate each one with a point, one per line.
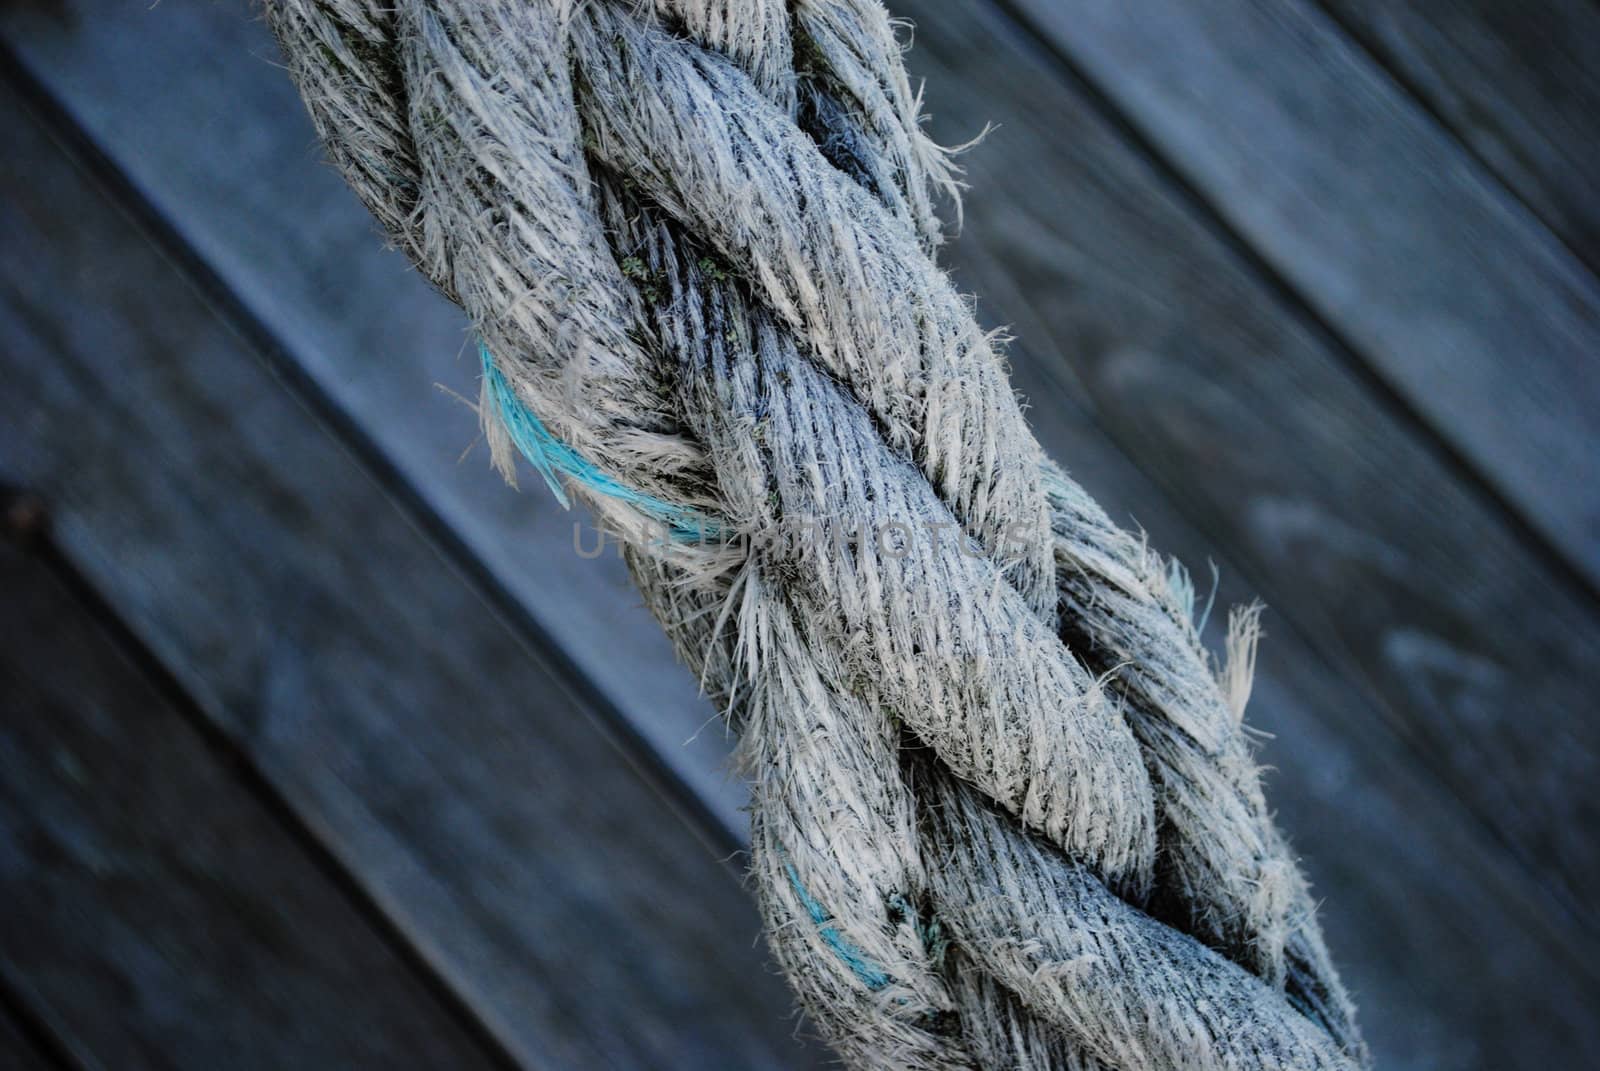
(550, 456)
(871, 975)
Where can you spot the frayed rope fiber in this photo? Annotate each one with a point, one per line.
(1004, 811)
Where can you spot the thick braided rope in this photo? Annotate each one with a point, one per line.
(697, 238)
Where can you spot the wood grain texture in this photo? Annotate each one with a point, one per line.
(1448, 288)
(1518, 83)
(155, 911)
(1458, 960)
(1348, 521)
(445, 763)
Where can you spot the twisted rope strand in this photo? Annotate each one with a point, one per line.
(694, 133)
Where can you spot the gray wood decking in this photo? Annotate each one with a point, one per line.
(319, 747)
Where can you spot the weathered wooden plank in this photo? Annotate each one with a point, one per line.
(1518, 83)
(1411, 889)
(1450, 290)
(448, 765)
(154, 908)
(1349, 522)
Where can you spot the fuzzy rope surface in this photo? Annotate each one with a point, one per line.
(1004, 810)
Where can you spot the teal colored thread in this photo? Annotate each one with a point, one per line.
(550, 456)
(871, 975)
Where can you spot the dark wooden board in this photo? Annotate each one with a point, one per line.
(1519, 83)
(466, 781)
(1344, 516)
(1448, 288)
(1412, 885)
(155, 910)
